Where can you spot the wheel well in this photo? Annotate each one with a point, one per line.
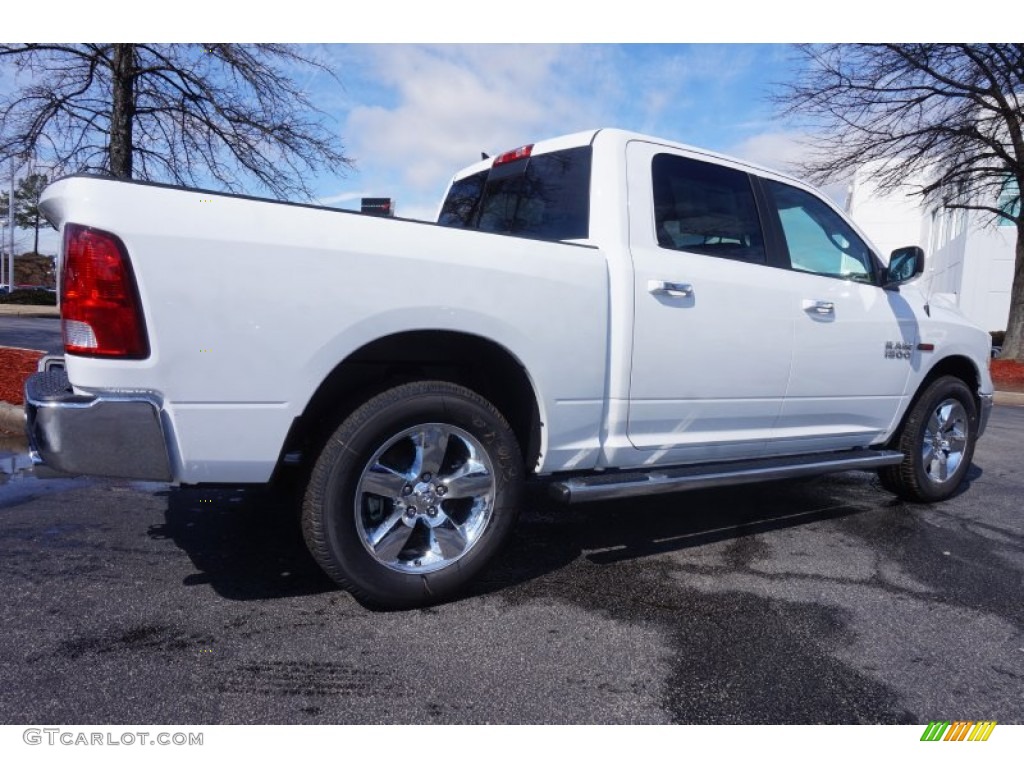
(487, 368)
(958, 366)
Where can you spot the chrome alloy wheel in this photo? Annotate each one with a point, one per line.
(424, 498)
(945, 439)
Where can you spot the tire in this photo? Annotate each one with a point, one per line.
(413, 494)
(937, 441)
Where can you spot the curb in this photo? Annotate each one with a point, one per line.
(28, 310)
(12, 417)
(1009, 398)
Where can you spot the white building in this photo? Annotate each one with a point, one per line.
(966, 254)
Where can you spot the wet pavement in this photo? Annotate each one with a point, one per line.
(819, 601)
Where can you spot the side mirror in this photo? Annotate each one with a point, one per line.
(904, 264)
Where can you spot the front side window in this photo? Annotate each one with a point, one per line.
(705, 208)
(818, 238)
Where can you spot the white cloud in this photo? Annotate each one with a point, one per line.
(449, 103)
(782, 151)
(341, 197)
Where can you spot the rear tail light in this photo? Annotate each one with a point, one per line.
(100, 309)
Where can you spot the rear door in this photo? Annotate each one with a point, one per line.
(712, 337)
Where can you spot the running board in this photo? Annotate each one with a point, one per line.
(616, 485)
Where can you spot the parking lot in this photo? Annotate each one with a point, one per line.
(820, 601)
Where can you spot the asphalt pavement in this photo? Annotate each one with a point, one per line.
(42, 333)
(818, 601)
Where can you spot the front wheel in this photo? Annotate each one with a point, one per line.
(937, 441)
(413, 494)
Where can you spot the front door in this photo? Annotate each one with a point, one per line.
(854, 341)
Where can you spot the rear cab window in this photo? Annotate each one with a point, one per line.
(544, 196)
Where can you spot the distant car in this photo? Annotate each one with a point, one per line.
(4, 289)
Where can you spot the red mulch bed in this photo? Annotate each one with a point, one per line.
(15, 367)
(1008, 375)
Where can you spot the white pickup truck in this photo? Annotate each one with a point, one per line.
(608, 313)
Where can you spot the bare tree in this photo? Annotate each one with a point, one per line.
(949, 114)
(26, 205)
(192, 114)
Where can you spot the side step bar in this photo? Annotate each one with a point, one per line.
(616, 485)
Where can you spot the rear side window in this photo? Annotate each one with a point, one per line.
(705, 208)
(544, 196)
(460, 206)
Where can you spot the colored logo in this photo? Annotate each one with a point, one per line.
(958, 730)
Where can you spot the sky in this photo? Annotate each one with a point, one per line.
(412, 115)
(416, 102)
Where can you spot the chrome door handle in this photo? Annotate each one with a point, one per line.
(819, 307)
(679, 290)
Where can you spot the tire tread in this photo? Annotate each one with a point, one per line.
(904, 479)
(315, 519)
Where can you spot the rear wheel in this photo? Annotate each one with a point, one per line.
(937, 441)
(413, 494)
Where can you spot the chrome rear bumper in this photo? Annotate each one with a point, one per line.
(117, 435)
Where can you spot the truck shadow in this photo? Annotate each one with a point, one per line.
(732, 513)
(246, 543)
(550, 535)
